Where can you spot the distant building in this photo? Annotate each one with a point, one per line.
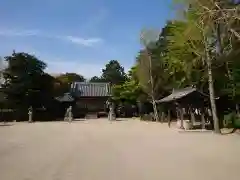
(86, 97)
(91, 97)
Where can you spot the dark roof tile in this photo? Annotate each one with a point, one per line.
(85, 89)
(178, 94)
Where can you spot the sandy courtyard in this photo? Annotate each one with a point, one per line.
(123, 150)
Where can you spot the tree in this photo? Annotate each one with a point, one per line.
(70, 77)
(152, 67)
(183, 64)
(47, 89)
(96, 79)
(1, 71)
(23, 77)
(208, 22)
(128, 92)
(228, 43)
(148, 38)
(113, 73)
(64, 81)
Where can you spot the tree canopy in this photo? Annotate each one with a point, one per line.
(113, 73)
(23, 79)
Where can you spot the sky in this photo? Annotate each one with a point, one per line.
(79, 36)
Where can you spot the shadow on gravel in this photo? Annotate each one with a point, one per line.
(3, 125)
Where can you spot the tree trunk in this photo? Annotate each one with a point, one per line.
(210, 83)
(155, 112)
(203, 119)
(211, 91)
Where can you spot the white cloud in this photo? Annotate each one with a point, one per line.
(73, 39)
(84, 42)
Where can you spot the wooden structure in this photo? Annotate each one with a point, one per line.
(187, 104)
(90, 98)
(64, 102)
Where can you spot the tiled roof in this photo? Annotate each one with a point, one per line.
(178, 94)
(86, 89)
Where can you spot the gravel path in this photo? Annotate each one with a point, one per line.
(123, 150)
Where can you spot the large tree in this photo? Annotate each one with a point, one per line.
(151, 66)
(130, 91)
(113, 73)
(209, 27)
(64, 81)
(96, 79)
(23, 80)
(70, 77)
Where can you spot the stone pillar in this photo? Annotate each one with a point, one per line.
(70, 117)
(30, 114)
(193, 119)
(111, 114)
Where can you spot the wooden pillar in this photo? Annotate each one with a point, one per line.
(169, 118)
(202, 119)
(162, 116)
(181, 117)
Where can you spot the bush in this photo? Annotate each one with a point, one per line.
(231, 120)
(228, 120)
(236, 122)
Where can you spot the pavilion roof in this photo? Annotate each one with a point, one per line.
(178, 94)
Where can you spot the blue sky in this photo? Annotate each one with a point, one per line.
(78, 35)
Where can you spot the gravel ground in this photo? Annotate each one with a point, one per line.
(123, 150)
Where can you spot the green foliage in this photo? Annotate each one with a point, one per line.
(207, 34)
(63, 82)
(68, 78)
(23, 79)
(228, 120)
(231, 120)
(126, 92)
(113, 73)
(96, 79)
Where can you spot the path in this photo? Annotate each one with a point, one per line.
(125, 150)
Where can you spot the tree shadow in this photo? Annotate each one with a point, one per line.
(5, 124)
